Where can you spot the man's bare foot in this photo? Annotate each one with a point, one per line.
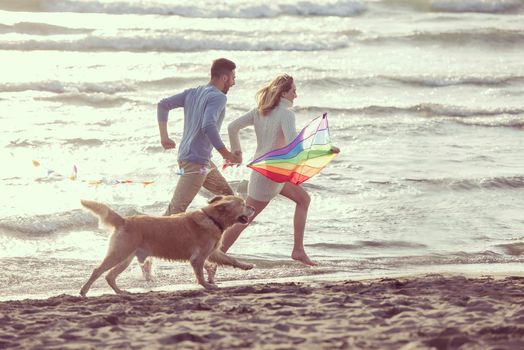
(146, 268)
(303, 258)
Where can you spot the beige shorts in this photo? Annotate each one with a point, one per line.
(192, 181)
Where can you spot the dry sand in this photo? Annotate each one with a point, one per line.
(424, 312)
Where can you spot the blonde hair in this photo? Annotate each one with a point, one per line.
(269, 96)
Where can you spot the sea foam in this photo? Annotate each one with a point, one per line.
(208, 9)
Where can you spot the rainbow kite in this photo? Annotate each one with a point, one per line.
(303, 158)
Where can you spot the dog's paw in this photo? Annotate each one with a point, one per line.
(123, 292)
(209, 286)
(246, 266)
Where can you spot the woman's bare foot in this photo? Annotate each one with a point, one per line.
(303, 258)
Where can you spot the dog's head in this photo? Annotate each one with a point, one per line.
(230, 210)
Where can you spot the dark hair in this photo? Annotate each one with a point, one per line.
(222, 66)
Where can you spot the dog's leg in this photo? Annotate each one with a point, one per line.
(146, 268)
(117, 270)
(211, 270)
(110, 261)
(119, 250)
(221, 258)
(145, 261)
(197, 261)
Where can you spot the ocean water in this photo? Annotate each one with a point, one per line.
(425, 100)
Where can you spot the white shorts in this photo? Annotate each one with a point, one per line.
(261, 188)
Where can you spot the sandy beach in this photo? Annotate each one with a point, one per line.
(425, 100)
(426, 312)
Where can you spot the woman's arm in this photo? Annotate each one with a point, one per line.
(234, 127)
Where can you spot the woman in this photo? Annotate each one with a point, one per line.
(274, 126)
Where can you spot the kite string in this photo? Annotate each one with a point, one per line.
(74, 177)
(181, 172)
(50, 171)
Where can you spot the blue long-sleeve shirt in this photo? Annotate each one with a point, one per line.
(204, 111)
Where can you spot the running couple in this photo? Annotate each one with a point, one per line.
(204, 110)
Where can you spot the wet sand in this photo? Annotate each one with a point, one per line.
(426, 312)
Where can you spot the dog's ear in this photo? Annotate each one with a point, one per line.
(214, 199)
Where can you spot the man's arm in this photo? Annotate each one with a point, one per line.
(163, 108)
(209, 126)
(166, 142)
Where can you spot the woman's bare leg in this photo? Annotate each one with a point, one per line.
(231, 234)
(298, 195)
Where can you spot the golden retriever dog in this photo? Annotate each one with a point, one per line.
(195, 236)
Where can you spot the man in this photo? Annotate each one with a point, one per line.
(204, 110)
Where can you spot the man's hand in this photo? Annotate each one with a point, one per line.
(335, 149)
(235, 158)
(167, 143)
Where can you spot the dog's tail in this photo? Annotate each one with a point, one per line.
(106, 215)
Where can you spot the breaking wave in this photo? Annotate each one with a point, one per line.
(500, 182)
(63, 87)
(492, 6)
(426, 110)
(181, 43)
(488, 36)
(440, 81)
(201, 9)
(94, 100)
(56, 222)
(40, 29)
(113, 87)
(460, 6)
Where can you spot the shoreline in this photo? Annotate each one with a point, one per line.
(468, 270)
(414, 312)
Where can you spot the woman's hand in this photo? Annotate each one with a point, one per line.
(335, 149)
(239, 155)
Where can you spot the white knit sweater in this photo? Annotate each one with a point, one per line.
(273, 131)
